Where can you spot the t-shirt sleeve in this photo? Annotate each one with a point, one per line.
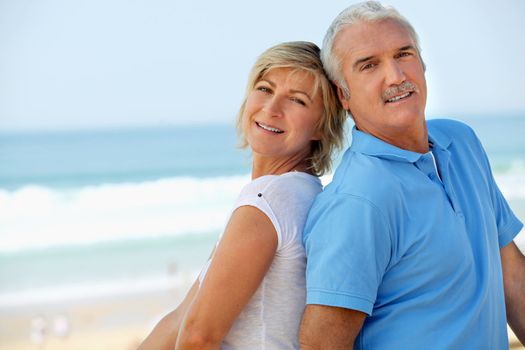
(251, 195)
(348, 246)
(255, 197)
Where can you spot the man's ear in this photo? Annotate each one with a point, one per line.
(344, 100)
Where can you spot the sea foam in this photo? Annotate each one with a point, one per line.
(36, 217)
(96, 290)
(512, 181)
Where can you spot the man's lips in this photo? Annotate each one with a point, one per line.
(399, 97)
(399, 92)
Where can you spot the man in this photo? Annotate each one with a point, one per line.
(411, 245)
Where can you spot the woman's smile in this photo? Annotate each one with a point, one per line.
(269, 128)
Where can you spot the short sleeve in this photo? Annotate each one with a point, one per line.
(251, 195)
(508, 224)
(256, 199)
(506, 221)
(290, 197)
(348, 246)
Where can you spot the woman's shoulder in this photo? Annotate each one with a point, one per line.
(287, 184)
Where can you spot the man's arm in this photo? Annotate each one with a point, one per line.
(513, 264)
(327, 327)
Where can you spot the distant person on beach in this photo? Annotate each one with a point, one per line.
(251, 295)
(411, 245)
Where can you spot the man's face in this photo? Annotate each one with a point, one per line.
(386, 78)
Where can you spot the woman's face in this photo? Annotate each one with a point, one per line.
(282, 113)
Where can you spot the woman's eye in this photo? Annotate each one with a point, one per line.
(263, 89)
(298, 100)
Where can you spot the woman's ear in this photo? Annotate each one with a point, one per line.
(317, 136)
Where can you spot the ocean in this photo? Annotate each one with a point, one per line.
(93, 213)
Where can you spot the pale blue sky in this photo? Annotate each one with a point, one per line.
(75, 64)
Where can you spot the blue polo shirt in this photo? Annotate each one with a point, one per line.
(415, 249)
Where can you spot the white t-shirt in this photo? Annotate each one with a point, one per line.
(272, 317)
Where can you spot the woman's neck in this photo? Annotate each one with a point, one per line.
(267, 166)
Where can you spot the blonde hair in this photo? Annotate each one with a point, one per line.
(303, 56)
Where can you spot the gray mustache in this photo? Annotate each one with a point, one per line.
(406, 86)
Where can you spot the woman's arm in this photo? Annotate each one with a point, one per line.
(240, 262)
(164, 335)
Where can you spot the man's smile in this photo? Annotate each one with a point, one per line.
(399, 97)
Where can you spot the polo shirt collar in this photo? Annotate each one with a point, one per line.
(438, 137)
(372, 146)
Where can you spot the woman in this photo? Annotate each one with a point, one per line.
(251, 295)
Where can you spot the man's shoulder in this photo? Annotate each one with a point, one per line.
(457, 132)
(450, 126)
(362, 177)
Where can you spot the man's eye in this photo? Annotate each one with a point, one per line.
(368, 66)
(404, 54)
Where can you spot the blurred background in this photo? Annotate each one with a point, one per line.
(118, 158)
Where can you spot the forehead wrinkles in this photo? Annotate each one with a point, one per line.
(348, 43)
(370, 38)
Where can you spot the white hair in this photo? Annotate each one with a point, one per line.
(368, 11)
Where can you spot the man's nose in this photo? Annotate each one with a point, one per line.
(394, 73)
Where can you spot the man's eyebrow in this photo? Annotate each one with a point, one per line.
(361, 60)
(368, 58)
(407, 48)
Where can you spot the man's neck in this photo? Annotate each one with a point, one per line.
(414, 139)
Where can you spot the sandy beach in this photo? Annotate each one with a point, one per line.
(514, 342)
(116, 323)
(111, 323)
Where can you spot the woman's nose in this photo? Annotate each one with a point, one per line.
(274, 107)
